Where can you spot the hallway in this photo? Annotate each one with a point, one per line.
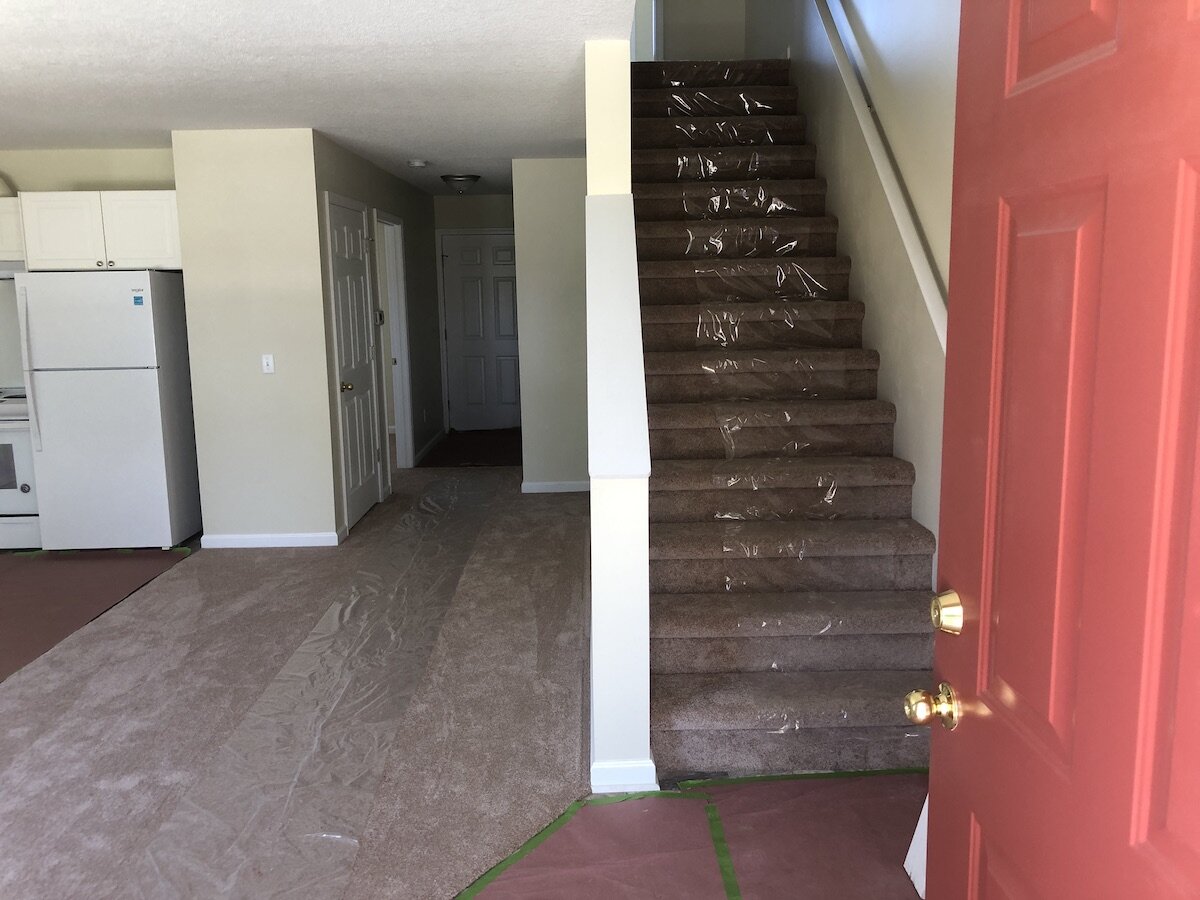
(390, 717)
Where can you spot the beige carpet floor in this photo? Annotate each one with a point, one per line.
(384, 719)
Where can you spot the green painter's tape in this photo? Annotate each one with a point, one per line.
(721, 847)
(699, 784)
(534, 842)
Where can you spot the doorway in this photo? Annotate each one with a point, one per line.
(480, 350)
(389, 239)
(364, 476)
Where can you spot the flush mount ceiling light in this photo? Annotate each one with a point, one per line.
(417, 163)
(460, 183)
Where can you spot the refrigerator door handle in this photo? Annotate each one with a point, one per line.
(35, 431)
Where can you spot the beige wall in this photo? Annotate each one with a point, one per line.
(88, 170)
(473, 211)
(548, 201)
(247, 216)
(704, 29)
(911, 55)
(342, 172)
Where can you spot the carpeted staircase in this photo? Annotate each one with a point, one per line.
(789, 585)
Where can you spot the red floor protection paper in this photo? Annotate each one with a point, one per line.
(839, 838)
(651, 847)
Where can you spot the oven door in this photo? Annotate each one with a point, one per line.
(18, 496)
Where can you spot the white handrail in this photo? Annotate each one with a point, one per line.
(841, 34)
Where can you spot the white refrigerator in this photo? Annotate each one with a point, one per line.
(110, 408)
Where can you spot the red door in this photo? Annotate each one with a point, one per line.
(1070, 520)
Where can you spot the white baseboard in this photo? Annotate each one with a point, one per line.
(299, 539)
(554, 487)
(624, 776)
(424, 451)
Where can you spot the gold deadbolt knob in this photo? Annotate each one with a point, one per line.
(922, 707)
(946, 610)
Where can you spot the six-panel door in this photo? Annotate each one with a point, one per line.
(1070, 523)
(480, 281)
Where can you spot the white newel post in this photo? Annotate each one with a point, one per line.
(618, 440)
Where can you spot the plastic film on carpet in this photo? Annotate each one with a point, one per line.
(693, 102)
(284, 808)
(735, 201)
(712, 163)
(681, 74)
(732, 132)
(731, 324)
(736, 239)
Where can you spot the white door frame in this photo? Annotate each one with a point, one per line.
(439, 234)
(393, 288)
(383, 476)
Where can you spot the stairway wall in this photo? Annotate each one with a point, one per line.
(548, 198)
(912, 364)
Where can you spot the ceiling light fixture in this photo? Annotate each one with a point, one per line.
(460, 183)
(417, 163)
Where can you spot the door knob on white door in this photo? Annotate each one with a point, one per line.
(347, 386)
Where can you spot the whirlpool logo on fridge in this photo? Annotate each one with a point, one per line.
(139, 297)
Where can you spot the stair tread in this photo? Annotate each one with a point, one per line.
(705, 73)
(789, 539)
(779, 701)
(749, 616)
(652, 190)
(771, 413)
(782, 472)
(749, 267)
(804, 152)
(717, 131)
(715, 100)
(780, 224)
(764, 311)
(754, 362)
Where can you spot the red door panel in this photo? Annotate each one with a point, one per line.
(1070, 522)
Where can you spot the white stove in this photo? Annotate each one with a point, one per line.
(19, 527)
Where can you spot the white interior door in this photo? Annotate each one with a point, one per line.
(479, 277)
(390, 236)
(354, 324)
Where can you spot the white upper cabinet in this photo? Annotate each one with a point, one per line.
(12, 244)
(89, 230)
(141, 229)
(63, 230)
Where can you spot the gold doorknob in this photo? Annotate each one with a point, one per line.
(347, 386)
(922, 707)
(946, 610)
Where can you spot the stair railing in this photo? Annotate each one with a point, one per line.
(843, 43)
(618, 439)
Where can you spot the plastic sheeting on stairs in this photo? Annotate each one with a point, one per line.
(720, 323)
(736, 201)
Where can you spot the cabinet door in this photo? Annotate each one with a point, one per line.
(12, 244)
(63, 230)
(141, 229)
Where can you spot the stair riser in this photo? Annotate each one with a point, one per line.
(733, 204)
(763, 241)
(759, 443)
(790, 286)
(703, 73)
(814, 573)
(741, 753)
(792, 654)
(723, 164)
(721, 131)
(749, 100)
(854, 384)
(883, 502)
(721, 331)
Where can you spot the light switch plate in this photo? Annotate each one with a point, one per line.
(268, 363)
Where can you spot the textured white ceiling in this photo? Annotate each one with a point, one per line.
(466, 85)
